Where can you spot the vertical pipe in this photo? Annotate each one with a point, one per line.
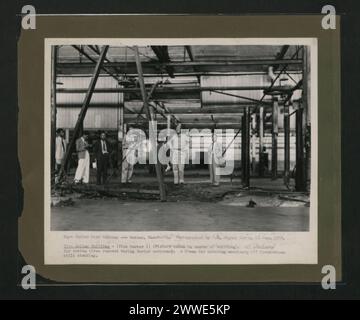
(275, 130)
(245, 137)
(261, 139)
(121, 134)
(306, 98)
(248, 119)
(300, 174)
(243, 147)
(306, 87)
(286, 144)
(253, 143)
(54, 54)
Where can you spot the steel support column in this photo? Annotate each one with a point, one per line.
(300, 183)
(245, 148)
(121, 134)
(286, 144)
(275, 131)
(306, 98)
(153, 133)
(261, 140)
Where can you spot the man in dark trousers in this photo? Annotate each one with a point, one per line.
(101, 150)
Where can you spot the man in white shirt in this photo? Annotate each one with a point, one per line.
(179, 147)
(130, 145)
(83, 169)
(215, 160)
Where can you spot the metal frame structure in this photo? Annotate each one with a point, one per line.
(145, 91)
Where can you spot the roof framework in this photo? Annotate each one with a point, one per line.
(180, 79)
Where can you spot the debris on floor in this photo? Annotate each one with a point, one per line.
(231, 194)
(62, 202)
(251, 204)
(251, 199)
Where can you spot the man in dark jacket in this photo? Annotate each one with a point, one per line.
(101, 150)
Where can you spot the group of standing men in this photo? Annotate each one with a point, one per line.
(179, 146)
(101, 150)
(179, 151)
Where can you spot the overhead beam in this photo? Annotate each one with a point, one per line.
(194, 116)
(281, 55)
(163, 108)
(187, 74)
(191, 56)
(149, 96)
(283, 69)
(239, 97)
(196, 125)
(162, 53)
(185, 107)
(177, 89)
(228, 63)
(97, 51)
(84, 53)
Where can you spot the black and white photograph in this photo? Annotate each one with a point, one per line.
(179, 152)
(207, 136)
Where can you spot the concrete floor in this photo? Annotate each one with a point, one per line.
(120, 215)
(197, 206)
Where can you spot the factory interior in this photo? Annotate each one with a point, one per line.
(256, 98)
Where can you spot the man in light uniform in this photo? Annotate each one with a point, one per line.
(83, 168)
(179, 146)
(215, 160)
(129, 156)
